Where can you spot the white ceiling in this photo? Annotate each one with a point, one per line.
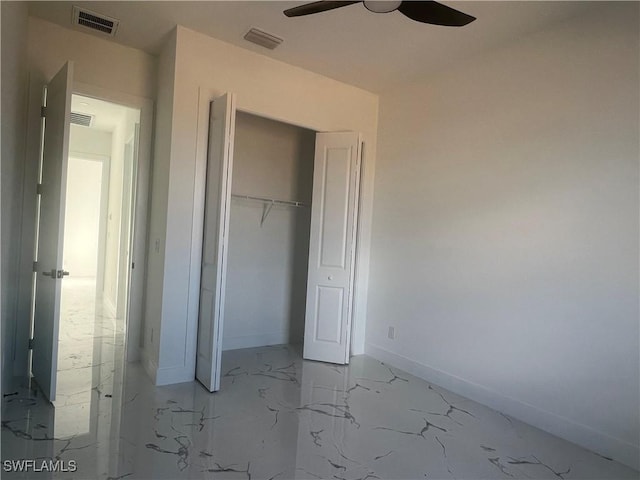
(350, 44)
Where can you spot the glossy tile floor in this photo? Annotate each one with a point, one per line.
(277, 417)
(91, 342)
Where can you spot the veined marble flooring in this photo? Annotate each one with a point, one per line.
(90, 347)
(279, 417)
(276, 417)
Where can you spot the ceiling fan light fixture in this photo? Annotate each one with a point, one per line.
(381, 6)
(423, 11)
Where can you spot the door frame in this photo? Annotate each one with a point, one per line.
(134, 321)
(205, 96)
(128, 190)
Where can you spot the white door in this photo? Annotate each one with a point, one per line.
(51, 231)
(222, 119)
(334, 212)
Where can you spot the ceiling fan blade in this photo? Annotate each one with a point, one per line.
(316, 7)
(434, 13)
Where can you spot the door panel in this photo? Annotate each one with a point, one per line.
(329, 300)
(51, 230)
(335, 207)
(214, 248)
(336, 178)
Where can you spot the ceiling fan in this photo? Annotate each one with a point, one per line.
(420, 11)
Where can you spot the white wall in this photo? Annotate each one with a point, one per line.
(95, 143)
(154, 288)
(114, 217)
(82, 217)
(267, 265)
(87, 146)
(505, 237)
(204, 68)
(99, 63)
(14, 100)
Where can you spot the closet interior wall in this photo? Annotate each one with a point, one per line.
(267, 262)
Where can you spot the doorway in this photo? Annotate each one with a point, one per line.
(100, 181)
(265, 269)
(95, 150)
(268, 233)
(86, 201)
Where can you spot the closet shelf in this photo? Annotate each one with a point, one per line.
(268, 204)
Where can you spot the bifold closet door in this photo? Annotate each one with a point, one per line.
(222, 119)
(334, 215)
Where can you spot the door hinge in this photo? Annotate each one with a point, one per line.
(35, 266)
(31, 344)
(39, 189)
(43, 111)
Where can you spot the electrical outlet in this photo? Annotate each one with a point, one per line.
(392, 333)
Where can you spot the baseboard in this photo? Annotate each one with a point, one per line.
(171, 375)
(167, 375)
(250, 341)
(149, 366)
(594, 440)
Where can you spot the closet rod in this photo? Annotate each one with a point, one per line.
(273, 201)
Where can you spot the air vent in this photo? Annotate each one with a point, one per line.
(263, 39)
(95, 21)
(81, 119)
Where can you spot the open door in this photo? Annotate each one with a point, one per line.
(222, 119)
(51, 230)
(334, 212)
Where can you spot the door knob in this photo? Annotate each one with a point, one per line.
(62, 273)
(330, 277)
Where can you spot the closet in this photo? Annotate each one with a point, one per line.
(279, 241)
(268, 246)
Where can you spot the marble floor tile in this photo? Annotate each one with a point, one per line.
(279, 417)
(276, 416)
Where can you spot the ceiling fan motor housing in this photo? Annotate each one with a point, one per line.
(381, 6)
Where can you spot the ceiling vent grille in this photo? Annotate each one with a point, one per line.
(263, 39)
(81, 119)
(95, 21)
